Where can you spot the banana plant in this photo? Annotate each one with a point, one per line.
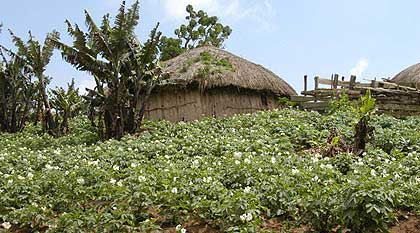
(122, 67)
(67, 104)
(16, 92)
(37, 57)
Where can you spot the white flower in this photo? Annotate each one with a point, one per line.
(119, 183)
(179, 228)
(174, 190)
(116, 168)
(246, 217)
(373, 172)
(248, 161)
(21, 177)
(6, 225)
(142, 178)
(315, 179)
(237, 162)
(80, 181)
(196, 163)
(207, 179)
(295, 171)
(134, 165)
(260, 170)
(247, 189)
(328, 166)
(273, 159)
(94, 163)
(113, 181)
(237, 155)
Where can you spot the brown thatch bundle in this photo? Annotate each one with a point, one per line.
(409, 77)
(210, 67)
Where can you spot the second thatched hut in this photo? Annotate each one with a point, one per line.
(210, 82)
(409, 77)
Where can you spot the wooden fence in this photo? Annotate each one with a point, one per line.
(390, 97)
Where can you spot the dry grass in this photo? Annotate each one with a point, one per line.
(190, 68)
(409, 77)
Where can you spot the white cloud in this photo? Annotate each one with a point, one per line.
(360, 67)
(86, 83)
(261, 12)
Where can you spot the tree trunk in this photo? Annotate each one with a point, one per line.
(361, 136)
(51, 125)
(38, 114)
(65, 123)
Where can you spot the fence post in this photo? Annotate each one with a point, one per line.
(335, 82)
(305, 84)
(352, 82)
(316, 79)
(332, 81)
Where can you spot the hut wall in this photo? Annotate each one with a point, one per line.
(188, 105)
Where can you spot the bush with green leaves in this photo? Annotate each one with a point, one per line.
(230, 174)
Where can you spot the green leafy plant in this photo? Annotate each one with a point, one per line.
(362, 129)
(200, 30)
(67, 104)
(125, 70)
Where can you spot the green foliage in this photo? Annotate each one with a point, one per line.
(230, 174)
(210, 60)
(342, 103)
(367, 104)
(284, 101)
(170, 48)
(200, 30)
(363, 132)
(67, 104)
(125, 70)
(17, 92)
(35, 58)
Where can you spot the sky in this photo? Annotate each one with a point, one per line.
(370, 39)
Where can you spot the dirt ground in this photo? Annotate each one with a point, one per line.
(411, 225)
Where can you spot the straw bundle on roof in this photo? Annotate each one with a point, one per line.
(409, 77)
(210, 67)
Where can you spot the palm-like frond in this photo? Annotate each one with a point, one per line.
(19, 43)
(97, 36)
(48, 49)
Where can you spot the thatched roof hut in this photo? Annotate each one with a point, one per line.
(208, 81)
(409, 77)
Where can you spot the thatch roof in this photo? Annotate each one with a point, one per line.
(409, 77)
(210, 67)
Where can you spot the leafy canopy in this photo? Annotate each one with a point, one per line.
(124, 69)
(200, 30)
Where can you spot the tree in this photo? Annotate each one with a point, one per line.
(124, 69)
(16, 92)
(37, 58)
(200, 30)
(362, 129)
(67, 104)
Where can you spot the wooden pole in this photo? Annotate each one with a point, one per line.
(316, 79)
(332, 81)
(335, 83)
(352, 82)
(305, 83)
